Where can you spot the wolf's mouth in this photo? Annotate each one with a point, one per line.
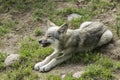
(45, 44)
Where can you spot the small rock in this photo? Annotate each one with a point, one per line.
(63, 75)
(73, 16)
(11, 59)
(117, 43)
(78, 74)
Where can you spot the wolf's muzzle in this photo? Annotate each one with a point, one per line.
(44, 43)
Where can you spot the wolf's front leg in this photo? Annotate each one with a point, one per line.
(46, 60)
(54, 62)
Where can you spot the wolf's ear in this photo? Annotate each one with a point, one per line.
(50, 24)
(63, 28)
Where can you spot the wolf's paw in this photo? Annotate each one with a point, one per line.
(48, 66)
(38, 65)
(44, 69)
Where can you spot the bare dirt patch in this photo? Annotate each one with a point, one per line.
(112, 49)
(25, 26)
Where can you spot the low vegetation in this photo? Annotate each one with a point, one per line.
(117, 25)
(30, 53)
(6, 27)
(2, 58)
(101, 69)
(37, 32)
(98, 67)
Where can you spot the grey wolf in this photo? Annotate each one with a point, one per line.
(66, 41)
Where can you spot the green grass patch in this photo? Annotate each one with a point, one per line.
(101, 69)
(101, 6)
(85, 13)
(43, 9)
(85, 58)
(117, 25)
(98, 72)
(38, 14)
(31, 52)
(48, 9)
(19, 5)
(53, 77)
(6, 27)
(31, 48)
(2, 58)
(93, 8)
(37, 32)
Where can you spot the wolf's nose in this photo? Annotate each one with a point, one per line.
(40, 41)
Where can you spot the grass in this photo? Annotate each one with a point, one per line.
(47, 9)
(101, 6)
(75, 23)
(84, 58)
(2, 58)
(93, 8)
(8, 6)
(117, 29)
(98, 66)
(101, 69)
(38, 15)
(37, 32)
(6, 27)
(30, 52)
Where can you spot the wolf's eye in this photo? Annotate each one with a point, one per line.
(49, 36)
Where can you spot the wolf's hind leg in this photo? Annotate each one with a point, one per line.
(105, 38)
(84, 25)
(46, 60)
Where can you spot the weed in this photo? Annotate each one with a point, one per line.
(101, 69)
(75, 23)
(85, 58)
(66, 11)
(56, 77)
(97, 72)
(37, 32)
(43, 9)
(21, 73)
(6, 27)
(101, 6)
(107, 63)
(53, 77)
(31, 48)
(58, 20)
(21, 5)
(118, 65)
(38, 14)
(118, 26)
(2, 58)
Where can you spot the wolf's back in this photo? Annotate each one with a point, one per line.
(93, 33)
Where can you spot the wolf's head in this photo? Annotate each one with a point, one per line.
(53, 34)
